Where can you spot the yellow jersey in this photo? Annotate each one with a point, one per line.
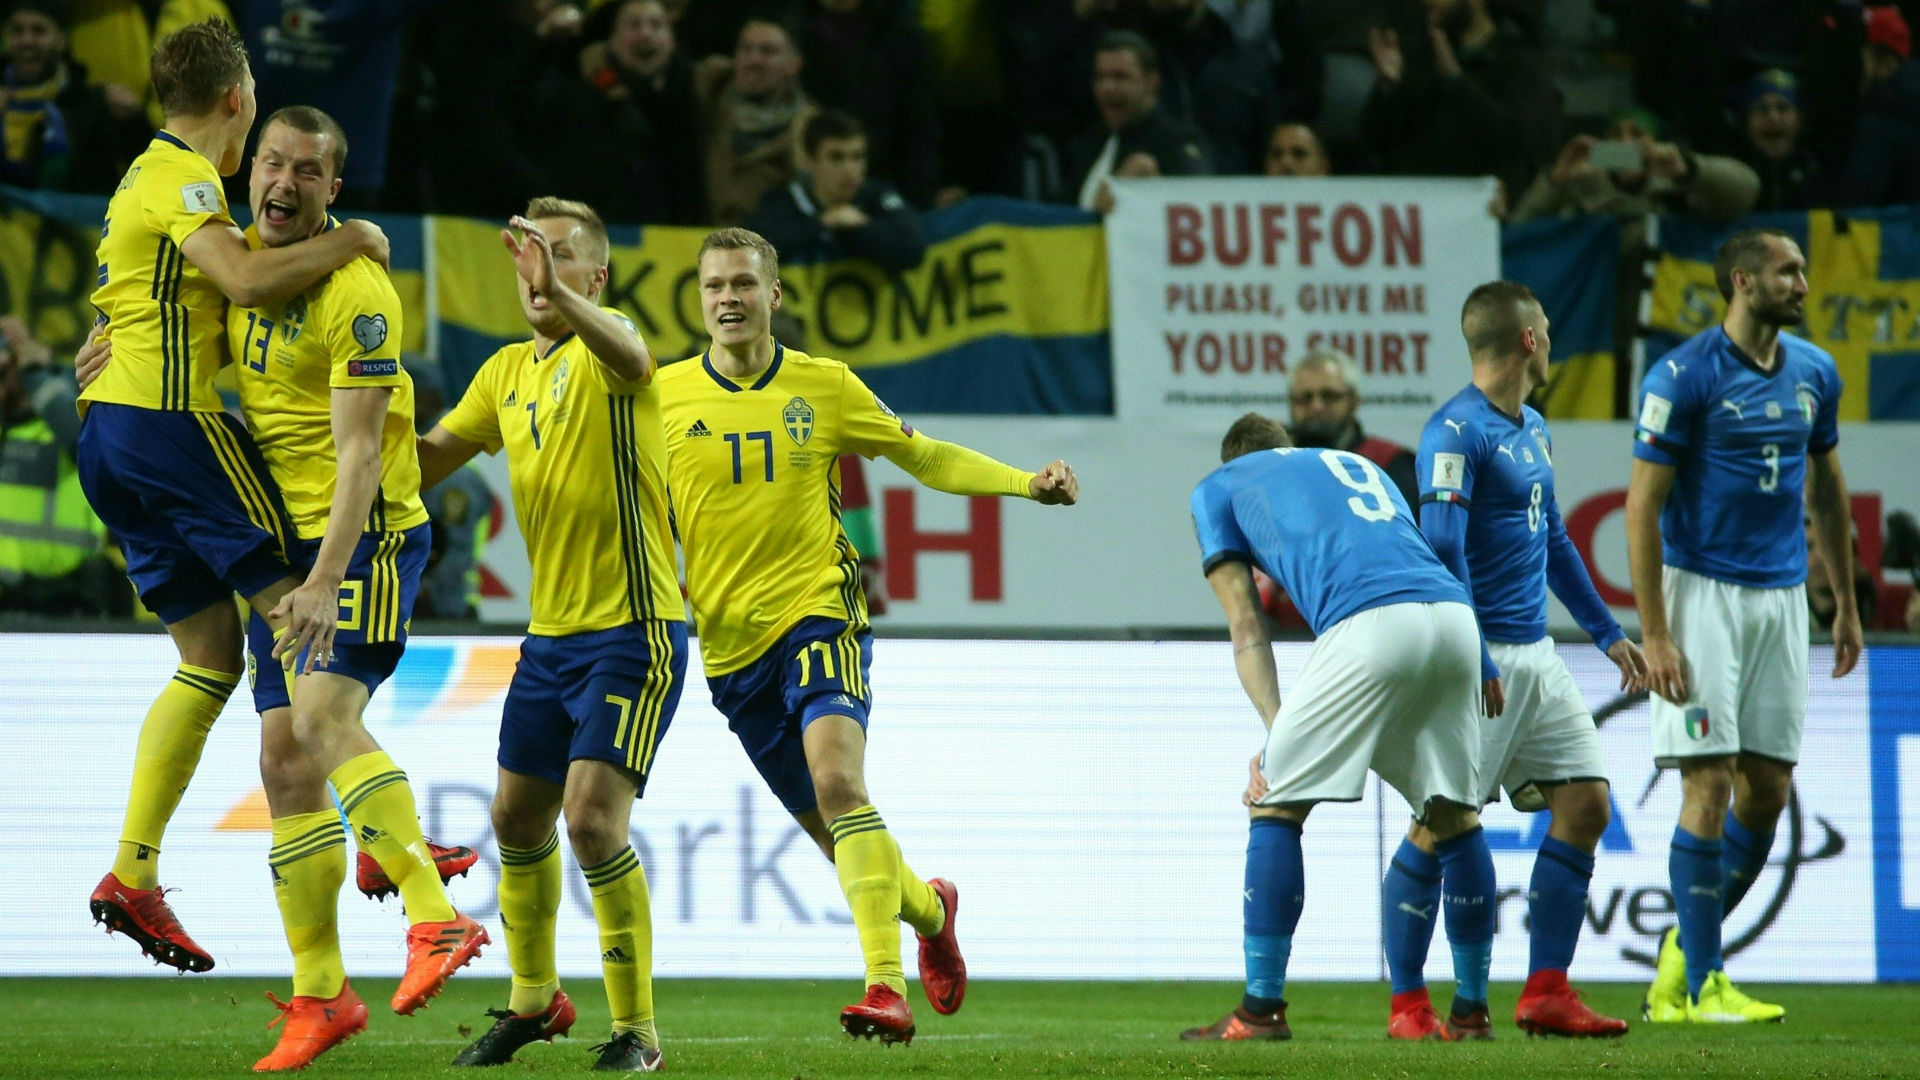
(587, 462)
(166, 318)
(755, 471)
(342, 333)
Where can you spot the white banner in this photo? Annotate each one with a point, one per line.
(1084, 796)
(1125, 556)
(1220, 285)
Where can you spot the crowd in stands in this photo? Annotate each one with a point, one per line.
(696, 112)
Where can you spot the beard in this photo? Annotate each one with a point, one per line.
(1780, 313)
(1320, 434)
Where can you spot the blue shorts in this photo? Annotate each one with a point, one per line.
(376, 606)
(607, 695)
(819, 669)
(189, 498)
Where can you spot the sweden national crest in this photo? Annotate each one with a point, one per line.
(798, 416)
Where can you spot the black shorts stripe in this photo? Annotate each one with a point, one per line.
(631, 506)
(246, 485)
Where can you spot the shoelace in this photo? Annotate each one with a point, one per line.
(155, 908)
(285, 1007)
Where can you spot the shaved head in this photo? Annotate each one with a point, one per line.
(1494, 316)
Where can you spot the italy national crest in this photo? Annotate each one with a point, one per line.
(798, 417)
(1804, 394)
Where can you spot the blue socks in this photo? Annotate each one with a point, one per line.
(1409, 900)
(1743, 856)
(1693, 868)
(1466, 871)
(1275, 894)
(1556, 904)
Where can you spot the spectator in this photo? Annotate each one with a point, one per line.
(114, 40)
(622, 134)
(1884, 166)
(753, 108)
(342, 58)
(51, 555)
(1295, 150)
(1773, 147)
(1135, 138)
(1820, 602)
(60, 133)
(1323, 398)
(1477, 100)
(870, 58)
(832, 211)
(1670, 179)
(481, 120)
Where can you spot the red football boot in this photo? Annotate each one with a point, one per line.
(1412, 1017)
(943, 973)
(1241, 1024)
(510, 1032)
(314, 1026)
(452, 862)
(882, 1012)
(1548, 1006)
(143, 915)
(434, 952)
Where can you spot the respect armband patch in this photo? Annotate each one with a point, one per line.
(373, 368)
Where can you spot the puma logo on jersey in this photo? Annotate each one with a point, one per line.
(1508, 450)
(1459, 428)
(1425, 914)
(1735, 406)
(1677, 368)
(699, 429)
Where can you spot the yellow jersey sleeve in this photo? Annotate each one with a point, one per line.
(867, 426)
(180, 193)
(363, 327)
(476, 418)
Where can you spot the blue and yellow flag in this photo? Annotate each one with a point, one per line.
(1863, 269)
(1572, 264)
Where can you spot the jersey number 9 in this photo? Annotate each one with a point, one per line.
(1373, 503)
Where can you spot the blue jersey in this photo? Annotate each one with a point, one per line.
(1737, 438)
(1327, 525)
(1486, 486)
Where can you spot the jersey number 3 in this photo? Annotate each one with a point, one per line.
(1372, 503)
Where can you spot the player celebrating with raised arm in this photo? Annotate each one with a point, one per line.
(1736, 433)
(605, 657)
(754, 436)
(175, 478)
(1487, 505)
(1392, 683)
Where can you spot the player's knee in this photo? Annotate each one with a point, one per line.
(839, 790)
(516, 826)
(1707, 786)
(1583, 814)
(289, 776)
(595, 835)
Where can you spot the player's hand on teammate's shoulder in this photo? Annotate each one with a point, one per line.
(371, 240)
(1666, 669)
(92, 358)
(1494, 695)
(1847, 642)
(1256, 783)
(1055, 485)
(1632, 664)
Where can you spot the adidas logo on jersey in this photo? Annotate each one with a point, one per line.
(513, 398)
(699, 430)
(616, 955)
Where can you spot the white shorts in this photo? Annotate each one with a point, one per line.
(1746, 664)
(1544, 736)
(1395, 689)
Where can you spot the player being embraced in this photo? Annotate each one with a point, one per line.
(1487, 505)
(332, 410)
(605, 657)
(1392, 684)
(175, 478)
(1736, 433)
(754, 436)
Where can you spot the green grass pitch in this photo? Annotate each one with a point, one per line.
(193, 1027)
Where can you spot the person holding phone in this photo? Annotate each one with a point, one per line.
(1632, 172)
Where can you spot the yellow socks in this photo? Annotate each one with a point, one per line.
(869, 867)
(309, 861)
(919, 904)
(621, 908)
(379, 805)
(529, 904)
(171, 738)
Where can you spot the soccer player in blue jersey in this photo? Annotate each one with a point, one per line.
(1737, 432)
(1487, 505)
(1391, 684)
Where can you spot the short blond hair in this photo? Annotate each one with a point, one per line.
(738, 239)
(549, 206)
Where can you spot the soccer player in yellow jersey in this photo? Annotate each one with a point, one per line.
(754, 434)
(578, 411)
(177, 480)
